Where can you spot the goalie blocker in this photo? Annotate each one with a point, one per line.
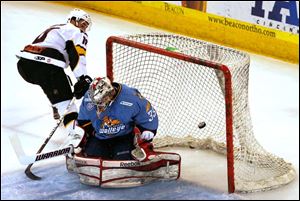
(127, 173)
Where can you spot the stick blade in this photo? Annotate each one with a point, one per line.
(30, 175)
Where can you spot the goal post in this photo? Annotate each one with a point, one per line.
(192, 82)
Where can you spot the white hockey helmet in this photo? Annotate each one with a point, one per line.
(100, 92)
(79, 14)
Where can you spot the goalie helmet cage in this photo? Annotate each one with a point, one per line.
(189, 82)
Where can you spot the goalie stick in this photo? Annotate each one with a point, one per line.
(20, 152)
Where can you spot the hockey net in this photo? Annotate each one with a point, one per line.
(191, 82)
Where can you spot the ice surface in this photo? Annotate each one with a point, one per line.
(58, 184)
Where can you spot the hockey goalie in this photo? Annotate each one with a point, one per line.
(113, 139)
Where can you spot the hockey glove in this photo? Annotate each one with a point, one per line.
(75, 137)
(144, 150)
(81, 86)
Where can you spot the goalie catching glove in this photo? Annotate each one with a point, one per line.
(144, 149)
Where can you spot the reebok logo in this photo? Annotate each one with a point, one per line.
(126, 103)
(130, 164)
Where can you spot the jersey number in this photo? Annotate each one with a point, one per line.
(84, 41)
(152, 114)
(43, 35)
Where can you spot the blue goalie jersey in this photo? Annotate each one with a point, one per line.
(128, 109)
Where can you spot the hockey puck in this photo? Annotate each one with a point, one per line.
(201, 125)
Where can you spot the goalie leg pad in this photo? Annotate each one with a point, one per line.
(127, 173)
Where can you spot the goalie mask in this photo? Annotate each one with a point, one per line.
(80, 15)
(101, 93)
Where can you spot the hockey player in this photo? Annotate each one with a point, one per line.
(120, 125)
(109, 113)
(43, 62)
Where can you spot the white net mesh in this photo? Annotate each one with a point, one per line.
(185, 94)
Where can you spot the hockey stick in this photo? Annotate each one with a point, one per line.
(28, 170)
(25, 160)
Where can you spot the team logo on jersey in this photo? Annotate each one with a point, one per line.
(111, 126)
(90, 106)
